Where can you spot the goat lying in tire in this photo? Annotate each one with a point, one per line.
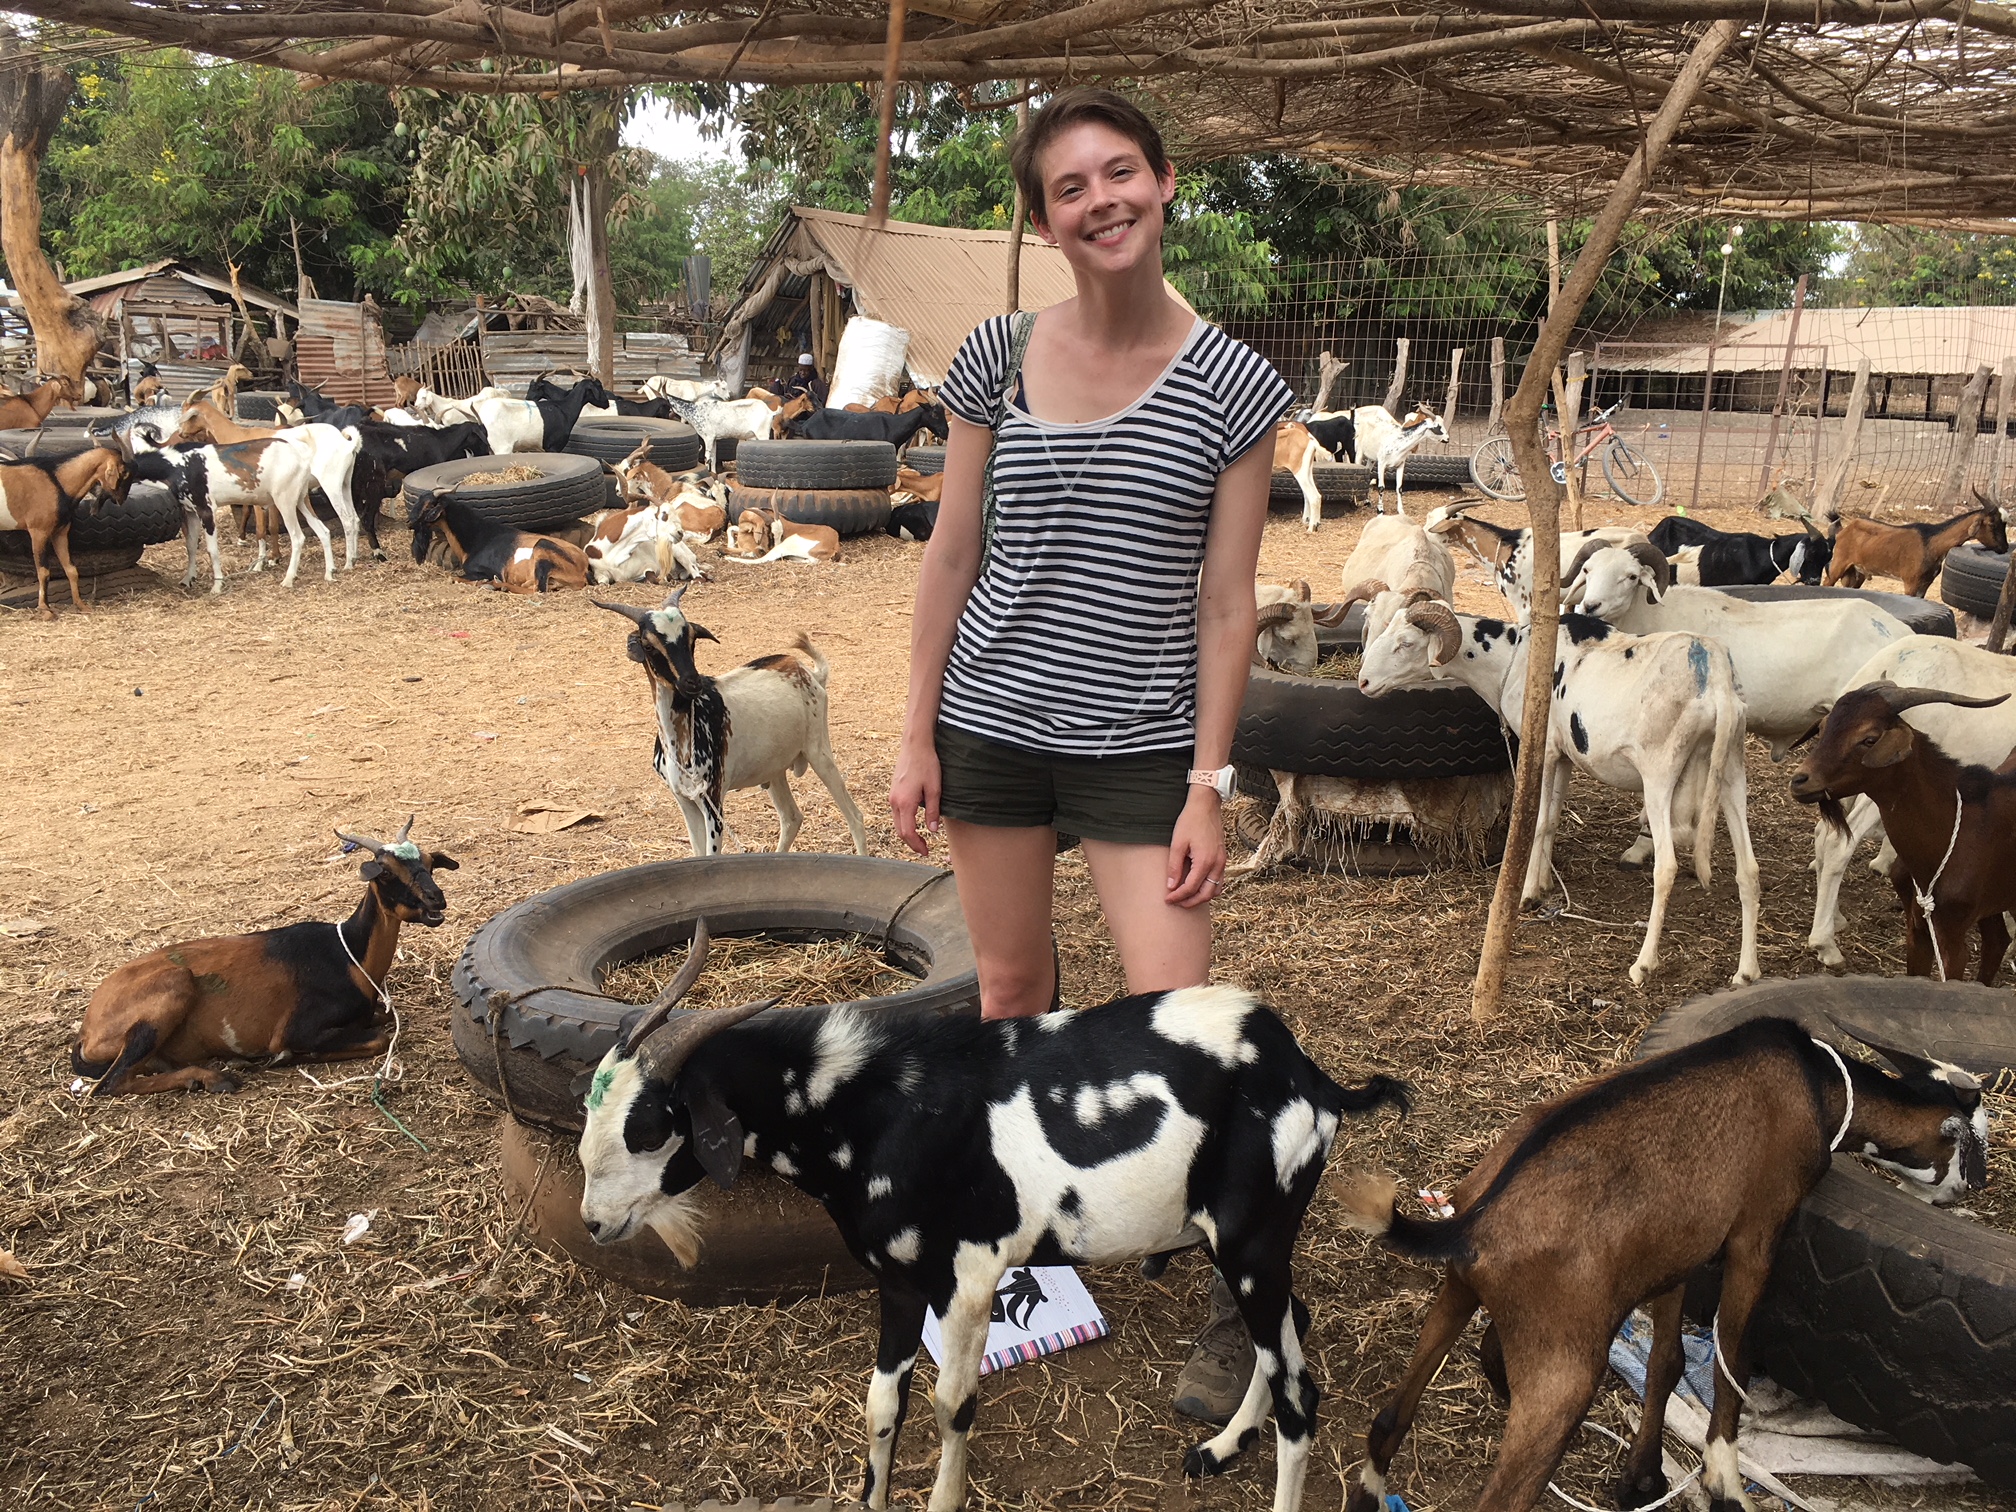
(1612, 1195)
(750, 727)
(948, 1149)
(481, 550)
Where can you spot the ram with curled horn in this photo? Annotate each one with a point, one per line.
(305, 992)
(1284, 627)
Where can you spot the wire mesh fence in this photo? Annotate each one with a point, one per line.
(1726, 406)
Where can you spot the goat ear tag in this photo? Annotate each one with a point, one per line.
(717, 1139)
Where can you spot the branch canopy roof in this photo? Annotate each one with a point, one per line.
(1856, 109)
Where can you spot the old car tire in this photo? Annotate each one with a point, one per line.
(850, 511)
(259, 407)
(925, 459)
(1325, 726)
(815, 464)
(1922, 615)
(539, 964)
(1336, 483)
(568, 487)
(1972, 579)
(674, 446)
(1898, 1315)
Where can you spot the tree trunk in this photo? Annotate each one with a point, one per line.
(1328, 370)
(32, 99)
(1396, 391)
(588, 252)
(1966, 431)
(1543, 504)
(1827, 503)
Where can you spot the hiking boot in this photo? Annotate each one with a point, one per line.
(1213, 1380)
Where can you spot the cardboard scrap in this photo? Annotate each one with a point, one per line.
(539, 818)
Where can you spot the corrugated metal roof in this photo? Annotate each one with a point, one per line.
(175, 267)
(341, 351)
(1899, 342)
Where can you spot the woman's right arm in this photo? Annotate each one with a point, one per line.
(946, 577)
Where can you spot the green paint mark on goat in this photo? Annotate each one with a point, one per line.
(598, 1087)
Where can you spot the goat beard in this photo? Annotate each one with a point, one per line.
(676, 1220)
(1833, 812)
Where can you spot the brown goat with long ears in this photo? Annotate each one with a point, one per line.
(224, 392)
(305, 992)
(28, 411)
(1611, 1196)
(42, 498)
(1953, 826)
(1911, 553)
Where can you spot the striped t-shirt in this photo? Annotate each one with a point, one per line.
(1080, 637)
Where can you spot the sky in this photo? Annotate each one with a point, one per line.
(673, 136)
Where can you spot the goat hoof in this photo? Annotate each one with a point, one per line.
(1646, 1489)
(217, 1082)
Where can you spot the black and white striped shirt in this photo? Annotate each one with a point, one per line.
(1080, 637)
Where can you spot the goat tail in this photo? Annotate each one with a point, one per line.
(1371, 1204)
(1729, 727)
(804, 644)
(1372, 1093)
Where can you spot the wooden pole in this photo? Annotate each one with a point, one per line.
(1497, 383)
(2003, 391)
(1966, 430)
(1998, 627)
(1396, 391)
(892, 69)
(1328, 370)
(1784, 386)
(1450, 399)
(1570, 406)
(1543, 504)
(1827, 503)
(1021, 213)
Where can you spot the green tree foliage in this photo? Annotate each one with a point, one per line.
(166, 154)
(1915, 265)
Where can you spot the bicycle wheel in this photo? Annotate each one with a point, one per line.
(1632, 476)
(1492, 471)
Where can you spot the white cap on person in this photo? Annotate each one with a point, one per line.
(804, 359)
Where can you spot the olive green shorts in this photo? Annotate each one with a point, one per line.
(1129, 799)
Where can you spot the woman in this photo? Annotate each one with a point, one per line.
(1082, 669)
(1078, 653)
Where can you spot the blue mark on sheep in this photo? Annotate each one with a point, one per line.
(1697, 658)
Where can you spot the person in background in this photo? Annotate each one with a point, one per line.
(806, 381)
(1079, 649)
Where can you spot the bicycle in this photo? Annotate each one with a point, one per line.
(1631, 475)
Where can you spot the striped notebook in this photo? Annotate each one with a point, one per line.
(1038, 1310)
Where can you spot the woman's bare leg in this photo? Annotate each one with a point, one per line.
(1161, 945)
(1005, 878)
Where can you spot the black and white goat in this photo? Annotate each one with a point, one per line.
(948, 1149)
(275, 473)
(1654, 714)
(1612, 1195)
(717, 420)
(1381, 442)
(1723, 557)
(750, 727)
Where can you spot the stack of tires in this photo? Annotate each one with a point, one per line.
(104, 541)
(1972, 579)
(674, 445)
(566, 488)
(842, 484)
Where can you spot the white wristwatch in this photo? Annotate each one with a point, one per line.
(1219, 778)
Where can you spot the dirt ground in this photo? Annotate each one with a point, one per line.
(195, 1332)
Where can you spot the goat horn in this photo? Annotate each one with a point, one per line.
(665, 1052)
(404, 830)
(362, 842)
(1271, 615)
(628, 611)
(1655, 559)
(1909, 1063)
(1361, 592)
(682, 983)
(1589, 548)
(1440, 618)
(1897, 699)
(34, 442)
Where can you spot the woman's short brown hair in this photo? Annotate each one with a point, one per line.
(1074, 107)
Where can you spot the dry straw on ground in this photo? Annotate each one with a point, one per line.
(176, 768)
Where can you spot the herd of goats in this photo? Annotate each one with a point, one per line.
(1191, 1118)
(346, 460)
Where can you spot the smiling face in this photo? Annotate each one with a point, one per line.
(1103, 205)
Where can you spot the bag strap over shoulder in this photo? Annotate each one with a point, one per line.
(1022, 327)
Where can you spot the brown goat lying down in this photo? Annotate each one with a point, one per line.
(1910, 553)
(305, 992)
(1613, 1194)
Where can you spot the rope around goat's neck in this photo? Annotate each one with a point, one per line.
(1847, 1086)
(1923, 895)
(391, 1068)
